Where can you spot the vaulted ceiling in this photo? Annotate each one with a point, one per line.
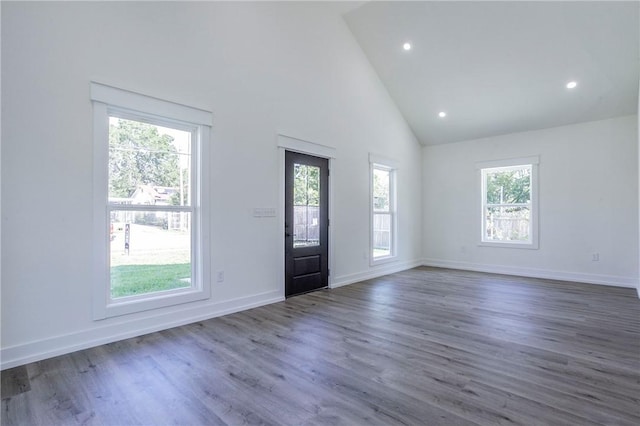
(502, 67)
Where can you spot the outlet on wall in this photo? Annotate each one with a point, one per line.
(595, 257)
(220, 276)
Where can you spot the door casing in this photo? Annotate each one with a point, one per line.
(288, 143)
(306, 266)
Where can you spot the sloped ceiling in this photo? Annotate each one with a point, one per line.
(501, 67)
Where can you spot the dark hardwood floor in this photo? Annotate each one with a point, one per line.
(425, 346)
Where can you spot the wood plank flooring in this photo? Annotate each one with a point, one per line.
(425, 346)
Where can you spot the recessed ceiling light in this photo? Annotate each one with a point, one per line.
(571, 85)
(406, 46)
(442, 114)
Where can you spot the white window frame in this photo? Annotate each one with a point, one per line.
(511, 163)
(390, 165)
(110, 101)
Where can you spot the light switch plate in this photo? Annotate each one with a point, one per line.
(264, 212)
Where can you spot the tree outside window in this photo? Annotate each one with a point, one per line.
(507, 204)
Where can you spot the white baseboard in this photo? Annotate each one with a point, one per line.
(375, 272)
(14, 356)
(610, 280)
(123, 328)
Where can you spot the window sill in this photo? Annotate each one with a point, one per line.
(506, 244)
(382, 260)
(127, 306)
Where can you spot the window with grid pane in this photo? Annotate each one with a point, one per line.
(150, 161)
(509, 204)
(383, 212)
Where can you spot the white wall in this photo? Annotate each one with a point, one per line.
(588, 177)
(262, 69)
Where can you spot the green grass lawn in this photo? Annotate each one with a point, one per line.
(380, 252)
(130, 280)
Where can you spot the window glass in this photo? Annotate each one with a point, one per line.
(149, 165)
(150, 251)
(382, 212)
(507, 204)
(306, 206)
(508, 186)
(381, 190)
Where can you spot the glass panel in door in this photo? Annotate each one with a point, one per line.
(306, 206)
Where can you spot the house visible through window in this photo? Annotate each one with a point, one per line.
(508, 209)
(149, 164)
(150, 207)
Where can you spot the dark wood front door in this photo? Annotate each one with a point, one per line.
(306, 244)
